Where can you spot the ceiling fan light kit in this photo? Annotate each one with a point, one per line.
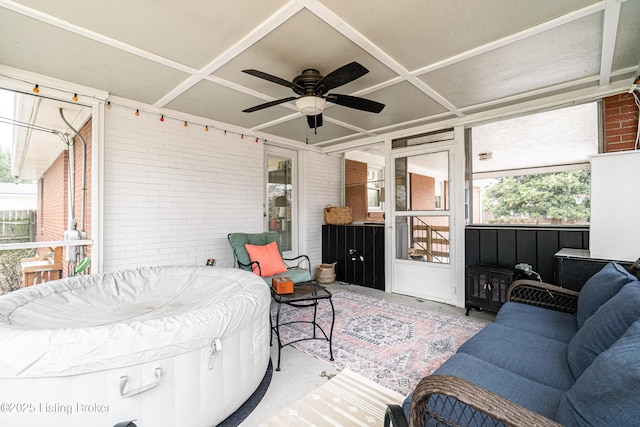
(310, 105)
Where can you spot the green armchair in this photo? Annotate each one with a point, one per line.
(298, 273)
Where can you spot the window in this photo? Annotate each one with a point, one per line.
(280, 198)
(375, 188)
(532, 169)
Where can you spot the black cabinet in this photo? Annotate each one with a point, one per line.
(511, 245)
(486, 286)
(358, 251)
(573, 267)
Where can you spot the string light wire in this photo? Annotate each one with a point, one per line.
(75, 95)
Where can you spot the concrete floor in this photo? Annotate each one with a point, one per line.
(301, 373)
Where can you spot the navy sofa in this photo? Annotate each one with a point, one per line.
(552, 357)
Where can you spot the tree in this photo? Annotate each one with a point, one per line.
(5, 168)
(561, 196)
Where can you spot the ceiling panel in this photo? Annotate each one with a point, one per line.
(216, 102)
(32, 45)
(190, 32)
(549, 58)
(402, 101)
(298, 130)
(293, 47)
(627, 49)
(417, 33)
(285, 37)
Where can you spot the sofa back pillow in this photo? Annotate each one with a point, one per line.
(600, 288)
(606, 394)
(604, 328)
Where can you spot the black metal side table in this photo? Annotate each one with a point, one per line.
(304, 295)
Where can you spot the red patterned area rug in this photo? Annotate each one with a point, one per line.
(393, 344)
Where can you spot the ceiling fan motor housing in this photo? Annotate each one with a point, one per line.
(307, 80)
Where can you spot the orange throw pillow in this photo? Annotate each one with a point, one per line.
(269, 258)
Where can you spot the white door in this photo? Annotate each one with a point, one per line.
(425, 261)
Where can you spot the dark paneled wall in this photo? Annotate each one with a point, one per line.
(365, 266)
(508, 246)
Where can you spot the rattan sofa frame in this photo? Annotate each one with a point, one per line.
(466, 403)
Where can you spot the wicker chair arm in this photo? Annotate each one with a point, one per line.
(544, 295)
(482, 404)
(394, 416)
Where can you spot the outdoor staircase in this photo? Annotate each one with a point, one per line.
(429, 242)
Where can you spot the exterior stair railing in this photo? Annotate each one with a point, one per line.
(429, 241)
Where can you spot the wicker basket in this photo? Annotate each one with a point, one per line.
(326, 273)
(334, 215)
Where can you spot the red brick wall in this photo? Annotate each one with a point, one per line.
(423, 192)
(423, 197)
(52, 212)
(620, 122)
(53, 190)
(355, 190)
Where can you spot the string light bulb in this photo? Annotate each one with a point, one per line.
(162, 118)
(225, 132)
(206, 128)
(137, 112)
(36, 89)
(242, 136)
(109, 104)
(256, 140)
(75, 97)
(186, 124)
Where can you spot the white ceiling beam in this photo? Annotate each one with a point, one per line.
(609, 33)
(328, 16)
(239, 88)
(266, 27)
(509, 99)
(527, 107)
(529, 32)
(348, 126)
(100, 38)
(277, 121)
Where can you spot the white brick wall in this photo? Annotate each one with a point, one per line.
(322, 183)
(172, 194)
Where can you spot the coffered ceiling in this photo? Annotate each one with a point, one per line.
(428, 61)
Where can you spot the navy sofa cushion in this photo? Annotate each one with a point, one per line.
(604, 328)
(528, 355)
(537, 320)
(607, 393)
(600, 288)
(532, 395)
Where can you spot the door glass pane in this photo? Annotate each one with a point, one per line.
(422, 182)
(423, 238)
(279, 198)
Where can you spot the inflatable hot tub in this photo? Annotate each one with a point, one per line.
(166, 346)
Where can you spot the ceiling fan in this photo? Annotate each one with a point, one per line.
(313, 89)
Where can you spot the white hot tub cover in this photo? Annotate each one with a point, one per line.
(98, 322)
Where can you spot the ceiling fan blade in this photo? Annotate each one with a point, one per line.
(314, 121)
(268, 104)
(273, 79)
(341, 76)
(355, 102)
